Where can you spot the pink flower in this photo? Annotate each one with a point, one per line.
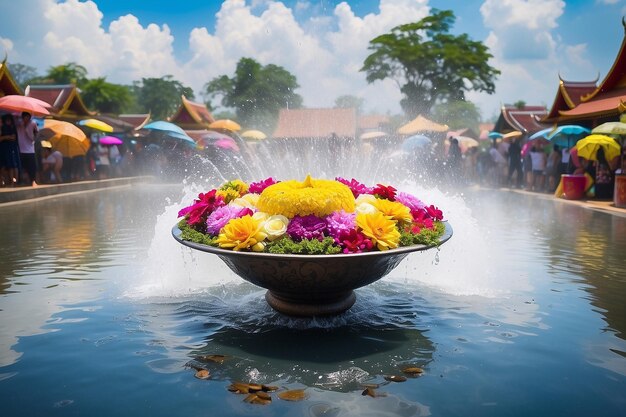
(356, 187)
(205, 204)
(409, 200)
(306, 227)
(258, 187)
(340, 223)
(434, 212)
(220, 217)
(421, 219)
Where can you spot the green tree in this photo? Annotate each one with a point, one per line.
(106, 97)
(256, 92)
(70, 73)
(429, 64)
(22, 74)
(348, 101)
(519, 104)
(458, 114)
(160, 96)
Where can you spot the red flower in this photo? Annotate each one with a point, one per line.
(198, 212)
(434, 212)
(421, 219)
(385, 191)
(355, 242)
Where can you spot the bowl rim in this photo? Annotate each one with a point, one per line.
(176, 233)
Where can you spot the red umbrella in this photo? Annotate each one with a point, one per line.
(20, 104)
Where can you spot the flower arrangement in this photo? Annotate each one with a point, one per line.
(314, 216)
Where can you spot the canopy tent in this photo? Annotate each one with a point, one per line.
(421, 124)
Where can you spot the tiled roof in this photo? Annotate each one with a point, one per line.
(64, 99)
(373, 121)
(526, 119)
(315, 123)
(8, 86)
(137, 121)
(192, 115)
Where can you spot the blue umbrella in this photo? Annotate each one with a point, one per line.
(169, 129)
(414, 142)
(567, 135)
(541, 134)
(494, 135)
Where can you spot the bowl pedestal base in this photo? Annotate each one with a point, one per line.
(300, 308)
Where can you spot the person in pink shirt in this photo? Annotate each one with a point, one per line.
(26, 134)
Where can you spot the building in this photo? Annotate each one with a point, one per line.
(316, 123)
(192, 116)
(8, 86)
(527, 119)
(65, 101)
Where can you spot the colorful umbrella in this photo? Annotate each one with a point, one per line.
(97, 125)
(588, 147)
(65, 138)
(254, 134)
(494, 135)
(541, 134)
(226, 144)
(169, 130)
(110, 140)
(225, 124)
(512, 135)
(20, 104)
(567, 135)
(610, 128)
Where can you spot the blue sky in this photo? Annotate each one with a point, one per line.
(322, 42)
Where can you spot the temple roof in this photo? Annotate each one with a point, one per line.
(526, 120)
(192, 115)
(64, 99)
(373, 121)
(569, 95)
(315, 123)
(137, 121)
(8, 86)
(608, 100)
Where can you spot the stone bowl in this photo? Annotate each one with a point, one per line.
(311, 285)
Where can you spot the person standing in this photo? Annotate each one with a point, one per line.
(515, 163)
(26, 134)
(538, 159)
(9, 152)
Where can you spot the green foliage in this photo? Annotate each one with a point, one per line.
(22, 74)
(192, 235)
(458, 114)
(287, 245)
(429, 64)
(350, 102)
(105, 97)
(428, 237)
(70, 73)
(160, 96)
(520, 104)
(256, 92)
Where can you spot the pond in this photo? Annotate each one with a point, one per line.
(102, 313)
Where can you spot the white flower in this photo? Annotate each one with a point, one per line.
(247, 201)
(275, 226)
(260, 215)
(365, 208)
(365, 198)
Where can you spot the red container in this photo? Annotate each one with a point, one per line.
(573, 186)
(619, 196)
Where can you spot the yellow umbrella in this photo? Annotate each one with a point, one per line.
(225, 124)
(421, 124)
(513, 134)
(373, 135)
(97, 124)
(65, 138)
(588, 147)
(254, 134)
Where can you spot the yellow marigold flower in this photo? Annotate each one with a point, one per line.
(394, 210)
(242, 233)
(312, 196)
(229, 194)
(237, 185)
(380, 229)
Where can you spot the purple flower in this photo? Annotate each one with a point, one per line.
(258, 187)
(306, 227)
(340, 223)
(410, 201)
(356, 187)
(223, 215)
